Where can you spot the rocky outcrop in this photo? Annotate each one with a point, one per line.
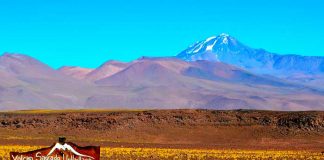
(294, 121)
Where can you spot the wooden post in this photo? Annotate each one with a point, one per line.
(62, 140)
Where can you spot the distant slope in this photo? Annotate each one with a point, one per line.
(148, 83)
(27, 83)
(75, 72)
(23, 66)
(172, 83)
(105, 70)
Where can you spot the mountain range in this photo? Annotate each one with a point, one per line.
(225, 48)
(217, 73)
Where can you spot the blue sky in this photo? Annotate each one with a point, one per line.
(87, 33)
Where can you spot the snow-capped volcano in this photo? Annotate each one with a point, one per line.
(227, 49)
(223, 48)
(223, 42)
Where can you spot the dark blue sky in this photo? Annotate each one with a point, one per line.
(87, 33)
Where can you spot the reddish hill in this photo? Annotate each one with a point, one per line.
(75, 72)
(107, 69)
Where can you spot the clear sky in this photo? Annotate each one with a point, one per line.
(88, 32)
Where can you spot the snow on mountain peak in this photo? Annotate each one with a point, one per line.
(224, 38)
(224, 35)
(210, 38)
(211, 43)
(216, 48)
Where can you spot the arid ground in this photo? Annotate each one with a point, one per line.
(236, 129)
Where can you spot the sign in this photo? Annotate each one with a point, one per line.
(60, 151)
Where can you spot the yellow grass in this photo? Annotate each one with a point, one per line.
(163, 153)
(48, 111)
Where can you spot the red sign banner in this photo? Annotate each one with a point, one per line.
(60, 151)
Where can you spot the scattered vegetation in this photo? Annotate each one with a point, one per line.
(163, 153)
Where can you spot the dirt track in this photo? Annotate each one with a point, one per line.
(240, 129)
